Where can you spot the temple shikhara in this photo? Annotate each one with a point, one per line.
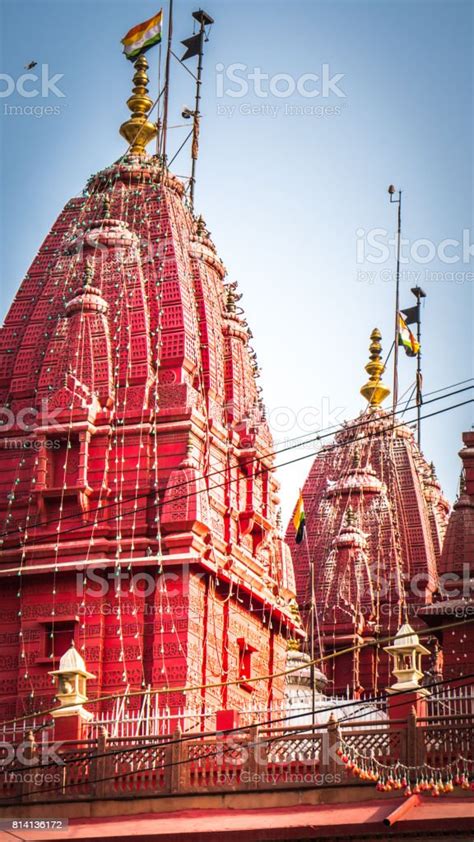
(155, 622)
(376, 519)
(150, 466)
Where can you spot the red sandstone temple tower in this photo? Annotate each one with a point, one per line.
(376, 518)
(138, 502)
(454, 599)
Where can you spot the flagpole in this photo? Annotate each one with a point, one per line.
(167, 81)
(158, 123)
(419, 294)
(299, 522)
(392, 191)
(312, 627)
(204, 20)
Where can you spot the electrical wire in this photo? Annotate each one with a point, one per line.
(318, 438)
(250, 679)
(323, 433)
(216, 751)
(337, 444)
(226, 732)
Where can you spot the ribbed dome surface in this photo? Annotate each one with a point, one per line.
(127, 352)
(375, 518)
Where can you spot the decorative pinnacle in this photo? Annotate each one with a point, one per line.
(374, 391)
(88, 274)
(356, 455)
(201, 228)
(294, 610)
(232, 297)
(350, 518)
(138, 131)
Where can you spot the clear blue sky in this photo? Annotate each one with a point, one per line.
(285, 196)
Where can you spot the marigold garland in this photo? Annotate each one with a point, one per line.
(413, 780)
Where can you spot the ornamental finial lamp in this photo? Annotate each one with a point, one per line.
(70, 718)
(406, 652)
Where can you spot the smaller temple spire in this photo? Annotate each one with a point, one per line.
(138, 131)
(231, 299)
(374, 391)
(350, 519)
(356, 455)
(88, 275)
(201, 229)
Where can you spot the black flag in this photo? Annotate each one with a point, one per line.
(411, 315)
(193, 46)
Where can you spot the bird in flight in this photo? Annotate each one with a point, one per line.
(30, 65)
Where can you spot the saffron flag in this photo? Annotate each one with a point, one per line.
(143, 36)
(299, 520)
(406, 338)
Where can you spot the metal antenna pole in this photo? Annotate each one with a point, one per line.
(312, 632)
(158, 121)
(204, 20)
(167, 82)
(398, 201)
(419, 294)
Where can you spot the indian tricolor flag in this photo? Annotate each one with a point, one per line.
(299, 520)
(143, 36)
(406, 338)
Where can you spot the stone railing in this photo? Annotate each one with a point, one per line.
(252, 759)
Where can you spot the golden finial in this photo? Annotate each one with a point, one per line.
(374, 391)
(294, 610)
(138, 131)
